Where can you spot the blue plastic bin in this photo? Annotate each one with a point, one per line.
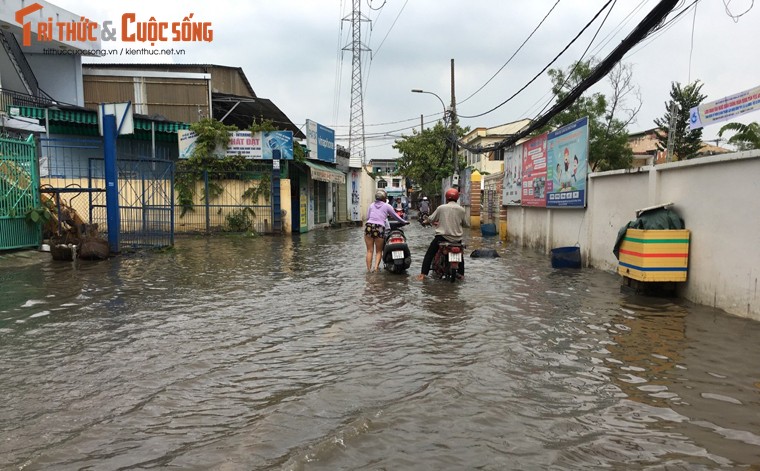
(566, 257)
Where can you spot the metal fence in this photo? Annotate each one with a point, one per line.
(72, 170)
(19, 193)
(227, 200)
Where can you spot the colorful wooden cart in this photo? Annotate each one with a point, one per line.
(654, 256)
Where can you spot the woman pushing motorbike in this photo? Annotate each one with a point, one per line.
(375, 227)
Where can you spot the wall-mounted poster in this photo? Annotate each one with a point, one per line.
(251, 145)
(567, 157)
(512, 186)
(534, 172)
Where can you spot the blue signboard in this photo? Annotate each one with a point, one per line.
(320, 140)
(567, 166)
(325, 144)
(277, 140)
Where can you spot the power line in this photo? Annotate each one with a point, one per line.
(578, 62)
(641, 31)
(514, 53)
(660, 30)
(377, 50)
(691, 45)
(736, 17)
(545, 67)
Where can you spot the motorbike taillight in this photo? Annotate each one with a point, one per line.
(396, 240)
(455, 249)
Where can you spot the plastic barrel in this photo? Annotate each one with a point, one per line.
(566, 257)
(488, 229)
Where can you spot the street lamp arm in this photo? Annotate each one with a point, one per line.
(417, 90)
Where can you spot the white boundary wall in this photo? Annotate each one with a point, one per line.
(719, 199)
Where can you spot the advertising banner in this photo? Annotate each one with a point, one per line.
(512, 186)
(245, 143)
(534, 172)
(254, 146)
(567, 158)
(277, 140)
(186, 142)
(320, 140)
(353, 206)
(725, 108)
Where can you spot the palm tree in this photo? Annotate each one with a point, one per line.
(747, 136)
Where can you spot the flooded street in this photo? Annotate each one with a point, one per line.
(234, 353)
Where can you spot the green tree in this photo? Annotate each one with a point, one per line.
(426, 157)
(686, 143)
(746, 137)
(608, 116)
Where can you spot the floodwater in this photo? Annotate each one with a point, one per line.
(234, 353)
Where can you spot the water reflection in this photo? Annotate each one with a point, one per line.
(283, 353)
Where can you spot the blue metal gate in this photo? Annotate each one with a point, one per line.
(19, 193)
(146, 187)
(146, 201)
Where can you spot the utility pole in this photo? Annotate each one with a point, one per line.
(671, 131)
(422, 122)
(453, 137)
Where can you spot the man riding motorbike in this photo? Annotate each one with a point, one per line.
(449, 220)
(424, 212)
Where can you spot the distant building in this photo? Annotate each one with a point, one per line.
(646, 152)
(493, 161)
(388, 178)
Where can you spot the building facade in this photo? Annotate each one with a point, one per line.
(492, 161)
(387, 177)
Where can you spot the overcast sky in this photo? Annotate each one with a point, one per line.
(291, 52)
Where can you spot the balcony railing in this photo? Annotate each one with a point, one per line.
(10, 98)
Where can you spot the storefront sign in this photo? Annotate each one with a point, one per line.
(254, 146)
(320, 140)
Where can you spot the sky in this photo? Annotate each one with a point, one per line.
(292, 53)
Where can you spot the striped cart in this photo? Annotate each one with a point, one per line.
(656, 257)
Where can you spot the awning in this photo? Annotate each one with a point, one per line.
(89, 117)
(324, 173)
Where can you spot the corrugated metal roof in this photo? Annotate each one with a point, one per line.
(243, 111)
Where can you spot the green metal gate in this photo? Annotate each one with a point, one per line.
(19, 193)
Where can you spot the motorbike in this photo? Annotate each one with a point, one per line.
(396, 255)
(400, 212)
(423, 218)
(447, 260)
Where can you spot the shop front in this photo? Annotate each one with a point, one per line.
(318, 195)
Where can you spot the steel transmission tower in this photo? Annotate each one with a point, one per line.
(356, 145)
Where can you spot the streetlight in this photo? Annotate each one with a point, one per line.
(455, 177)
(417, 90)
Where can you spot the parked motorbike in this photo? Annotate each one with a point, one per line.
(396, 255)
(447, 261)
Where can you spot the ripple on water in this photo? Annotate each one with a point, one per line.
(246, 353)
